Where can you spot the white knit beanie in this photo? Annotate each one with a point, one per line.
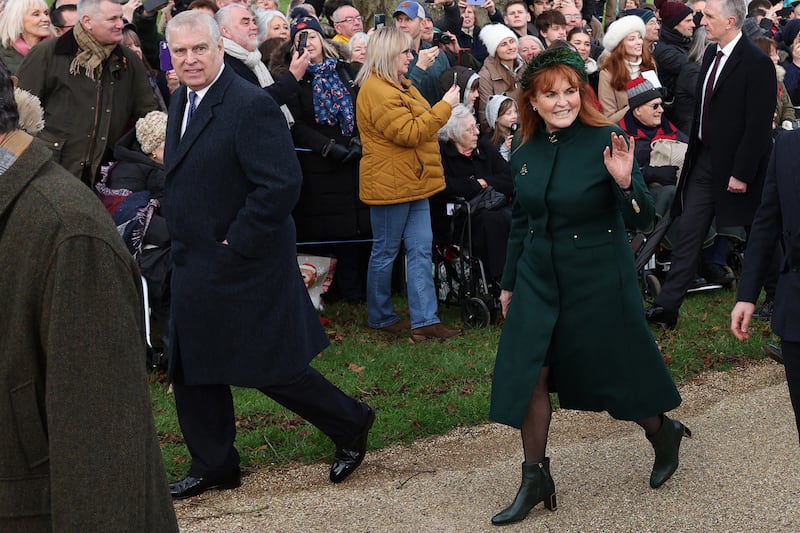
(621, 28)
(493, 108)
(493, 34)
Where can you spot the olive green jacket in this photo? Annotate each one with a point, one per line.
(78, 448)
(85, 118)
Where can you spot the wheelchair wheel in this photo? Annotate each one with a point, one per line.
(652, 285)
(475, 313)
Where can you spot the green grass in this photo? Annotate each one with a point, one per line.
(428, 388)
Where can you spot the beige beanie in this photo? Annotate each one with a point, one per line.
(151, 131)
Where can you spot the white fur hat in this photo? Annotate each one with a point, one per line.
(621, 28)
(493, 34)
(493, 108)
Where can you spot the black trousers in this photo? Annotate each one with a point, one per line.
(206, 417)
(791, 364)
(693, 224)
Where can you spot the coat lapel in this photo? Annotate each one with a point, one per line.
(179, 146)
(731, 63)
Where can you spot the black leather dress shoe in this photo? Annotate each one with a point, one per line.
(347, 459)
(774, 352)
(656, 314)
(192, 486)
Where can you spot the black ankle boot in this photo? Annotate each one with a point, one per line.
(666, 443)
(537, 486)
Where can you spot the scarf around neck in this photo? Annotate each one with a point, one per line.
(633, 68)
(91, 56)
(21, 46)
(332, 101)
(252, 60)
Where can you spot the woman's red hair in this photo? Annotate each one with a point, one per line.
(545, 80)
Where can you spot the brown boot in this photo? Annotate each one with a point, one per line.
(398, 327)
(434, 331)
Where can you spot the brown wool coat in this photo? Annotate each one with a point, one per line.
(401, 161)
(78, 449)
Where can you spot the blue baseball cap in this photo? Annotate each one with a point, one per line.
(410, 9)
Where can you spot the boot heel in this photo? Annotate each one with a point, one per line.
(550, 502)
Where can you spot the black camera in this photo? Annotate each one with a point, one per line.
(514, 127)
(441, 38)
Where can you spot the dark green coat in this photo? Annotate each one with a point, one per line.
(78, 448)
(575, 290)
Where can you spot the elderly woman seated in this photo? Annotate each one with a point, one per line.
(656, 137)
(470, 168)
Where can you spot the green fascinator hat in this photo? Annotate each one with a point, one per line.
(550, 57)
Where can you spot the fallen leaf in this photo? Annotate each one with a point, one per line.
(352, 367)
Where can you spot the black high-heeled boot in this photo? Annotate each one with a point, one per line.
(537, 486)
(666, 443)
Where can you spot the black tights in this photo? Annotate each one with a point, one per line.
(536, 425)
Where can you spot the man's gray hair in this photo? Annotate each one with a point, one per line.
(452, 130)
(223, 16)
(734, 8)
(194, 19)
(89, 7)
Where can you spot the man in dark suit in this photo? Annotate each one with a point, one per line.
(779, 215)
(240, 312)
(728, 148)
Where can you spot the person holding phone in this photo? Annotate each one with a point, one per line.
(240, 37)
(329, 150)
(401, 168)
(428, 62)
(460, 20)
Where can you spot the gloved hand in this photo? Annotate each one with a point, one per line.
(667, 175)
(335, 151)
(353, 153)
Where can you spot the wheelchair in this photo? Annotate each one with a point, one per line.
(459, 276)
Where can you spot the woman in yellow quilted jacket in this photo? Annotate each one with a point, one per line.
(400, 169)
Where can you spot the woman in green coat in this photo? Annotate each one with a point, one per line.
(575, 324)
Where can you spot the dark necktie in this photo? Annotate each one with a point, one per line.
(707, 96)
(192, 106)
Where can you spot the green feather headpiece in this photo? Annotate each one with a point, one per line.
(550, 57)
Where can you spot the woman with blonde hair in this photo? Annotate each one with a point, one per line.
(624, 59)
(23, 25)
(401, 168)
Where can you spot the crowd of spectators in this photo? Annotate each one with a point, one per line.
(308, 59)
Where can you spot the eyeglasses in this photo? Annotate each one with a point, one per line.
(655, 105)
(350, 20)
(573, 16)
(407, 51)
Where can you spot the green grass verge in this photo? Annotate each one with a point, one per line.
(427, 388)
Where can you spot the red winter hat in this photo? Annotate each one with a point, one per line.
(673, 12)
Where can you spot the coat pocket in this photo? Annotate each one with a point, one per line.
(28, 424)
(592, 239)
(53, 141)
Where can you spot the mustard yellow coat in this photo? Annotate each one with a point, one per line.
(401, 161)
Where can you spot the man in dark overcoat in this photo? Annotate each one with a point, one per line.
(78, 447)
(240, 311)
(728, 148)
(778, 217)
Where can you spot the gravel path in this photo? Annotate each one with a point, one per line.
(740, 473)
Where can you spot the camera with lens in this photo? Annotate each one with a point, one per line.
(441, 38)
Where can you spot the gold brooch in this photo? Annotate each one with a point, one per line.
(524, 170)
(635, 205)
